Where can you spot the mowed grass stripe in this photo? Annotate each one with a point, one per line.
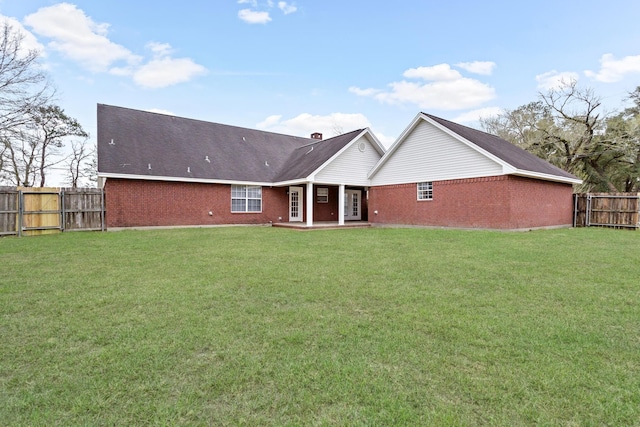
(263, 326)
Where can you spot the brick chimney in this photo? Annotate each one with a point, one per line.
(316, 135)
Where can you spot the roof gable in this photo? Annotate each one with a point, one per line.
(513, 159)
(307, 158)
(511, 154)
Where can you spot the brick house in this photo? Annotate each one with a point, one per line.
(440, 173)
(161, 170)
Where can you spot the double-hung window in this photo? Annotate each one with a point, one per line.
(425, 191)
(246, 198)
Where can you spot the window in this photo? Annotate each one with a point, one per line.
(246, 198)
(323, 195)
(425, 191)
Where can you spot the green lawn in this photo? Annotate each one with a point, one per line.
(265, 326)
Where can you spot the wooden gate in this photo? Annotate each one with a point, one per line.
(615, 210)
(28, 211)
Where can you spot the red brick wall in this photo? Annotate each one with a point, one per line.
(500, 202)
(329, 211)
(131, 203)
(324, 211)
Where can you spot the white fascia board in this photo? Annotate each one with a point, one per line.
(546, 177)
(292, 182)
(373, 139)
(181, 179)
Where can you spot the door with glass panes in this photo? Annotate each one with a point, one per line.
(352, 205)
(295, 204)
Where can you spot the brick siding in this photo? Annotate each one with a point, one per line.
(140, 203)
(500, 202)
(132, 203)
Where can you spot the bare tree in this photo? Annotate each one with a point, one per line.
(23, 90)
(23, 84)
(566, 127)
(49, 128)
(80, 163)
(21, 152)
(575, 125)
(337, 129)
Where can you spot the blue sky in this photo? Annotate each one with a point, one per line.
(302, 66)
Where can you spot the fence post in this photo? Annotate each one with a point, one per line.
(62, 215)
(20, 212)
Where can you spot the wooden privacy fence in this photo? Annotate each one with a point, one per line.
(26, 211)
(615, 210)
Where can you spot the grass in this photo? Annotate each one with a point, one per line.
(265, 326)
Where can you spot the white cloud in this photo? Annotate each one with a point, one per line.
(254, 17)
(29, 42)
(329, 125)
(613, 70)
(164, 72)
(270, 122)
(287, 8)
(305, 124)
(160, 111)
(475, 115)
(555, 80)
(445, 89)
(160, 49)
(478, 67)
(364, 92)
(78, 37)
(385, 140)
(433, 73)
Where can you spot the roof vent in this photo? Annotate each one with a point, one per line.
(316, 135)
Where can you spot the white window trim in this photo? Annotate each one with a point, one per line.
(322, 194)
(425, 194)
(246, 198)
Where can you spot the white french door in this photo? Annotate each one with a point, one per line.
(352, 205)
(295, 204)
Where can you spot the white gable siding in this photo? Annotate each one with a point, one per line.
(352, 166)
(430, 154)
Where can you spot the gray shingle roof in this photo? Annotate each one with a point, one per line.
(134, 142)
(504, 150)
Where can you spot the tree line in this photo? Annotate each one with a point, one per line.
(36, 135)
(568, 127)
